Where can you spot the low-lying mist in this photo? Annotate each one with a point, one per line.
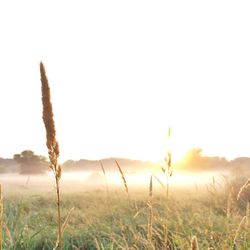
(30, 172)
(84, 181)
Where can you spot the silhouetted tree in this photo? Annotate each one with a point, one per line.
(29, 163)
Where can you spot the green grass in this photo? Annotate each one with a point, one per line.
(121, 223)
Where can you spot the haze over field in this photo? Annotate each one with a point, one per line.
(28, 172)
(194, 160)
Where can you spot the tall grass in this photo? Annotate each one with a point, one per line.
(121, 225)
(241, 226)
(105, 176)
(167, 169)
(1, 217)
(122, 176)
(52, 144)
(243, 189)
(230, 203)
(150, 210)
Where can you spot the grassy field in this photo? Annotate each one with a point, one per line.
(121, 221)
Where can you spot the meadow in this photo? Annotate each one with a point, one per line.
(114, 219)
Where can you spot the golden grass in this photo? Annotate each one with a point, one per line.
(123, 176)
(52, 144)
(243, 189)
(150, 207)
(230, 203)
(248, 214)
(106, 180)
(168, 160)
(160, 182)
(240, 228)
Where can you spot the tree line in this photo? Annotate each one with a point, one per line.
(27, 162)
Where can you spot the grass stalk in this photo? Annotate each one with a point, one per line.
(168, 161)
(243, 189)
(240, 228)
(106, 180)
(52, 144)
(248, 214)
(150, 207)
(123, 176)
(230, 204)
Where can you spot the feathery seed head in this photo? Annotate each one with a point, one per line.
(48, 113)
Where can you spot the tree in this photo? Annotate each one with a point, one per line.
(195, 160)
(29, 163)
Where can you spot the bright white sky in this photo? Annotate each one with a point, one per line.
(122, 72)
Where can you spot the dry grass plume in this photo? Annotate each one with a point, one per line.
(52, 144)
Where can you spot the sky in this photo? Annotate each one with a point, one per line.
(122, 72)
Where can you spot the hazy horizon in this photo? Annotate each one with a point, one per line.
(176, 158)
(203, 154)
